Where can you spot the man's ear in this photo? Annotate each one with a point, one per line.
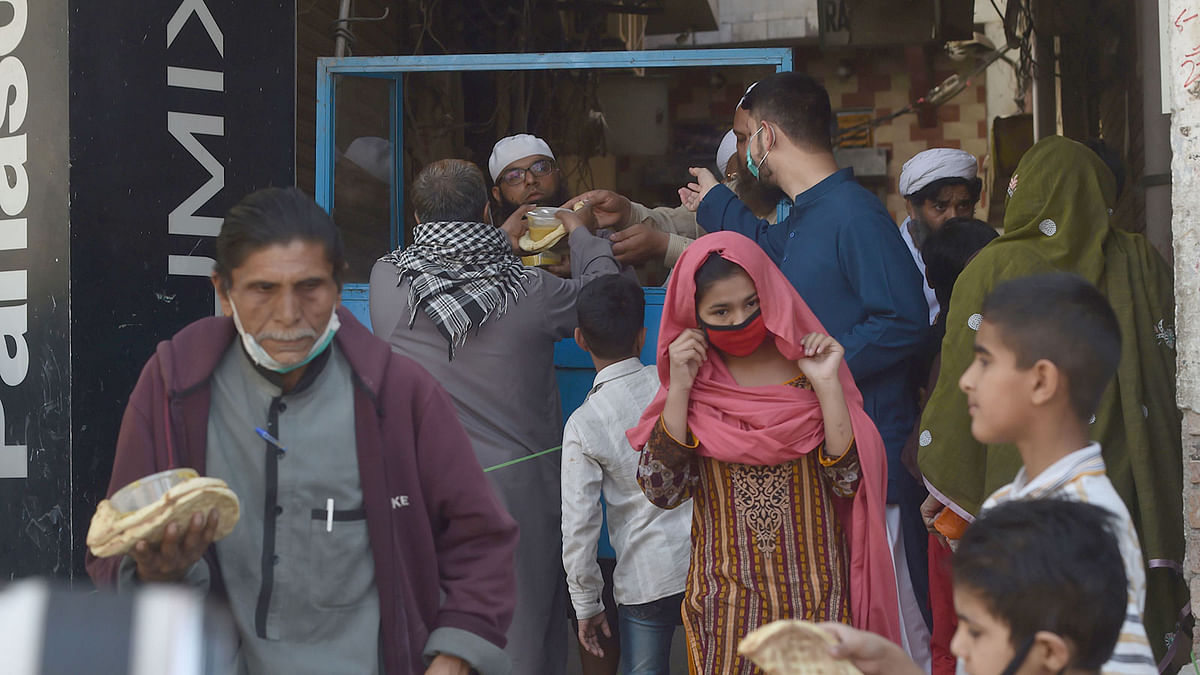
(1048, 382)
(1050, 652)
(496, 194)
(222, 295)
(908, 208)
(579, 340)
(416, 217)
(641, 339)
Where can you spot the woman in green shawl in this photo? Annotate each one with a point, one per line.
(1058, 217)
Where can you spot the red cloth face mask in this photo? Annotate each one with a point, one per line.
(739, 340)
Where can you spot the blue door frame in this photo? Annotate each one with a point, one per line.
(394, 68)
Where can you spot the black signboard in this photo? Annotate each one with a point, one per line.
(35, 369)
(177, 110)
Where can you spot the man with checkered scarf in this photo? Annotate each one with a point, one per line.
(461, 304)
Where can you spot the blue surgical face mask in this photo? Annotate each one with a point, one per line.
(260, 356)
(750, 163)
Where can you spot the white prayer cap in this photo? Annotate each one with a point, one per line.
(936, 164)
(726, 150)
(508, 150)
(373, 155)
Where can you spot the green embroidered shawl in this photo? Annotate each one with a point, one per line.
(1058, 218)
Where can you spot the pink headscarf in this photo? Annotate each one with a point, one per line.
(778, 423)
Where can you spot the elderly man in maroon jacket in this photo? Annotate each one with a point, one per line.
(369, 541)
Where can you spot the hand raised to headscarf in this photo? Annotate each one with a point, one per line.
(686, 353)
(822, 358)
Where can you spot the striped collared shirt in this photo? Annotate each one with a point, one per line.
(1081, 476)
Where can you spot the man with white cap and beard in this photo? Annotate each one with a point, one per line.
(525, 173)
(938, 184)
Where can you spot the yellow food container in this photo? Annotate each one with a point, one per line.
(539, 232)
(543, 258)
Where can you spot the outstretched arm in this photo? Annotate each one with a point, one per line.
(872, 654)
(720, 209)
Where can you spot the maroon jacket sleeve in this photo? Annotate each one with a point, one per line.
(475, 537)
(135, 457)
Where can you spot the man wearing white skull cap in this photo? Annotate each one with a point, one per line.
(937, 184)
(524, 171)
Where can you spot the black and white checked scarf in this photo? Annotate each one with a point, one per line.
(462, 274)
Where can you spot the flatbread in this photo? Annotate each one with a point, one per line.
(793, 647)
(115, 533)
(527, 243)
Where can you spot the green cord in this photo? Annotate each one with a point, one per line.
(1194, 666)
(529, 457)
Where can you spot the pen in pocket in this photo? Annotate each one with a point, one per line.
(266, 436)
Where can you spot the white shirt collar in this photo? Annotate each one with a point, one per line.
(618, 369)
(1085, 460)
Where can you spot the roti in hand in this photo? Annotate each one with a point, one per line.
(793, 647)
(545, 243)
(115, 533)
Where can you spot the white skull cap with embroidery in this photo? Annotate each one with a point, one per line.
(510, 149)
(726, 150)
(925, 167)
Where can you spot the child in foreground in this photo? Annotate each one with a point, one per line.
(759, 423)
(1038, 591)
(1046, 349)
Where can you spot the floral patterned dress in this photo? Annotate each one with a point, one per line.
(767, 543)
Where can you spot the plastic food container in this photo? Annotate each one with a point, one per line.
(543, 219)
(543, 258)
(146, 491)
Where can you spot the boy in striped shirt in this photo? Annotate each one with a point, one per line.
(1045, 351)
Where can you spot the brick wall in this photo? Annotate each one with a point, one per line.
(878, 80)
(881, 81)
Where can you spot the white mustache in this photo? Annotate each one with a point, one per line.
(287, 336)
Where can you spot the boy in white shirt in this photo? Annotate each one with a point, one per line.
(1045, 351)
(652, 545)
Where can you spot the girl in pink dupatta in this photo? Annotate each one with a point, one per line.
(758, 421)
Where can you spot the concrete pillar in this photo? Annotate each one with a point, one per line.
(1156, 132)
(1181, 75)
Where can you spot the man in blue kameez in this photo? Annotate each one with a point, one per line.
(844, 254)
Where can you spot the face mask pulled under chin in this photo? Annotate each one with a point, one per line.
(263, 359)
